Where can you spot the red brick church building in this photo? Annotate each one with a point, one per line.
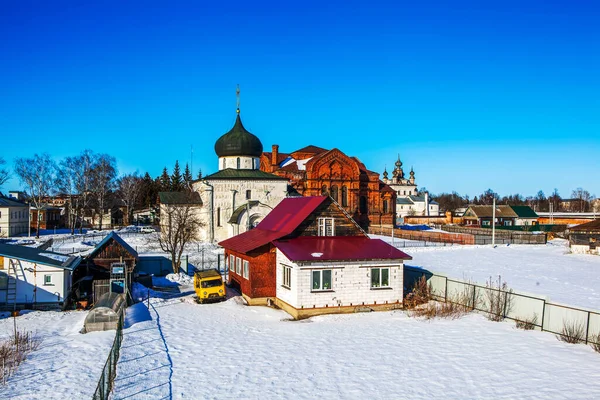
(314, 171)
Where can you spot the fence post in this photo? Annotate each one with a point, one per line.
(446, 291)
(474, 289)
(543, 312)
(587, 328)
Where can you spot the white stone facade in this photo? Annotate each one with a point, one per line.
(351, 284)
(221, 198)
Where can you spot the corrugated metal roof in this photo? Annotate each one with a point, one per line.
(338, 248)
(39, 256)
(524, 211)
(403, 200)
(179, 198)
(114, 236)
(231, 173)
(280, 222)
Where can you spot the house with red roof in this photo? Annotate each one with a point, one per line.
(309, 257)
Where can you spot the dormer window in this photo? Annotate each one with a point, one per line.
(326, 227)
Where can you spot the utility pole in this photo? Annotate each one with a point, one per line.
(494, 222)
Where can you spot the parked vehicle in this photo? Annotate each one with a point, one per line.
(209, 286)
(147, 229)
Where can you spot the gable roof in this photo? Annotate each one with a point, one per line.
(280, 222)
(6, 202)
(254, 174)
(524, 212)
(502, 211)
(593, 226)
(338, 248)
(113, 236)
(39, 256)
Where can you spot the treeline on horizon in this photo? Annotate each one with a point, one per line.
(579, 201)
(91, 183)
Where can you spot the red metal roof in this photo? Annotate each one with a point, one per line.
(280, 222)
(338, 248)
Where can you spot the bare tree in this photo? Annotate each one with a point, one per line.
(4, 174)
(103, 174)
(583, 199)
(65, 184)
(129, 187)
(75, 180)
(180, 224)
(37, 174)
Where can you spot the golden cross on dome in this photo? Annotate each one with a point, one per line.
(237, 94)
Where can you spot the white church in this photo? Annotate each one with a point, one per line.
(238, 196)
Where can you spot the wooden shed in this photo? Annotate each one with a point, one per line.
(585, 238)
(95, 270)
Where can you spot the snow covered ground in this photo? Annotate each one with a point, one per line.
(228, 350)
(547, 270)
(67, 364)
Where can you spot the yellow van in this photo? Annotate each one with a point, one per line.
(209, 285)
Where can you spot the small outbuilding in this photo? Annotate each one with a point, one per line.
(585, 238)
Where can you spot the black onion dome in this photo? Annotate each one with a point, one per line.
(238, 142)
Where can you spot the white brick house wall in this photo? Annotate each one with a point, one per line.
(351, 284)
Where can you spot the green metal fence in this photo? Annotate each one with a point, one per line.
(105, 384)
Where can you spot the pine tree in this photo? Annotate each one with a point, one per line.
(147, 192)
(165, 181)
(199, 173)
(187, 176)
(176, 179)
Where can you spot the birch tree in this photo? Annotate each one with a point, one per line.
(129, 187)
(37, 174)
(103, 174)
(4, 174)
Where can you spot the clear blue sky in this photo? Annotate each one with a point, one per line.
(474, 95)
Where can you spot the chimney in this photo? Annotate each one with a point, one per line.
(427, 204)
(274, 154)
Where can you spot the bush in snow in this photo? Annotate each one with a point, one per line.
(420, 294)
(498, 299)
(527, 324)
(572, 332)
(595, 342)
(14, 350)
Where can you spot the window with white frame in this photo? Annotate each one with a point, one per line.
(238, 266)
(232, 263)
(47, 279)
(246, 271)
(380, 277)
(326, 227)
(321, 280)
(286, 272)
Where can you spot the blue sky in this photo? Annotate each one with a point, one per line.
(474, 96)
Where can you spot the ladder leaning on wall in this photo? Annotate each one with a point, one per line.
(13, 277)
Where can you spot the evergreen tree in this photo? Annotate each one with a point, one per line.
(165, 181)
(199, 173)
(187, 176)
(176, 179)
(148, 192)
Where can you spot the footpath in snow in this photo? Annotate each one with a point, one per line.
(144, 369)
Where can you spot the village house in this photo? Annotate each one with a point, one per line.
(309, 257)
(315, 171)
(585, 238)
(14, 217)
(505, 215)
(50, 217)
(34, 277)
